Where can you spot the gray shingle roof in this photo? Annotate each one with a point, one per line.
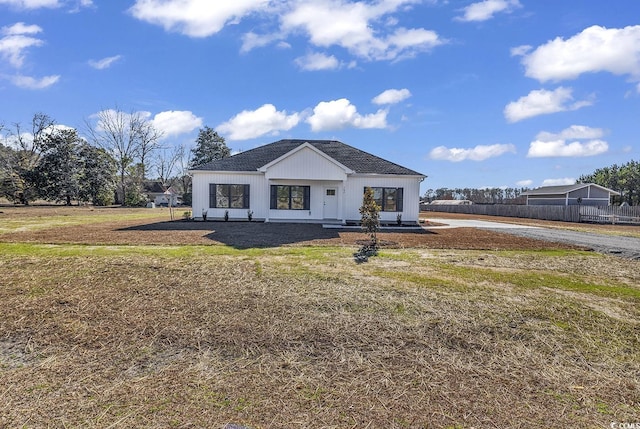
(352, 158)
(564, 189)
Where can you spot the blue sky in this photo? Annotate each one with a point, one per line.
(490, 93)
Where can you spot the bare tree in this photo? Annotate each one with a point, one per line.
(128, 137)
(167, 162)
(183, 165)
(149, 139)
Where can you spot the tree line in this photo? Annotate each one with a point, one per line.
(623, 178)
(118, 154)
(478, 196)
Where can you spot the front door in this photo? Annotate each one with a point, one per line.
(330, 210)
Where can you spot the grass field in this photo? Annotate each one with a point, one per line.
(156, 335)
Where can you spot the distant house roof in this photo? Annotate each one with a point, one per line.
(352, 158)
(565, 189)
(155, 187)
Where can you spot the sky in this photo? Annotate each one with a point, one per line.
(472, 94)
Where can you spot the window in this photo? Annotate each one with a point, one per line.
(285, 197)
(331, 192)
(228, 196)
(389, 199)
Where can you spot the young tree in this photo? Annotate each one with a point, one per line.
(370, 216)
(210, 146)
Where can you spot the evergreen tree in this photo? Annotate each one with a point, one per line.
(98, 176)
(624, 179)
(57, 174)
(210, 146)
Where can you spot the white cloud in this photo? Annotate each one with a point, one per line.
(524, 183)
(31, 4)
(28, 82)
(545, 149)
(250, 124)
(340, 114)
(486, 9)
(478, 153)
(17, 39)
(391, 96)
(365, 29)
(317, 61)
(573, 132)
(196, 18)
(558, 145)
(104, 63)
(173, 123)
(542, 102)
(595, 49)
(559, 182)
(520, 51)
(51, 4)
(252, 40)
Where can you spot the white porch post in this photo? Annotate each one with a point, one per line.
(266, 218)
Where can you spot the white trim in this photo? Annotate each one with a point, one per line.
(305, 145)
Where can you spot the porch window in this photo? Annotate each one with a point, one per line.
(228, 196)
(286, 197)
(389, 199)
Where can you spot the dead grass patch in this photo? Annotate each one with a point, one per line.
(302, 336)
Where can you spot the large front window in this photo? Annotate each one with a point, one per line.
(286, 197)
(228, 196)
(389, 199)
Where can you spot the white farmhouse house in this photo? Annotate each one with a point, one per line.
(320, 181)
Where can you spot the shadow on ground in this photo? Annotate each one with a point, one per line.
(244, 235)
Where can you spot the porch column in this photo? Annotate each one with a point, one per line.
(268, 193)
(343, 203)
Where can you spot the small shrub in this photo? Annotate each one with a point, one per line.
(249, 215)
(204, 215)
(186, 215)
(226, 215)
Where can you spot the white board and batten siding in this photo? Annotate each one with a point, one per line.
(307, 164)
(259, 200)
(410, 190)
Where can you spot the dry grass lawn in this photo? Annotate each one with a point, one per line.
(98, 331)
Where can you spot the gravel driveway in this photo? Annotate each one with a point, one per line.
(625, 247)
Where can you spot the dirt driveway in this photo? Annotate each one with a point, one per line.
(618, 245)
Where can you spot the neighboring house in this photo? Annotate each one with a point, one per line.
(587, 194)
(161, 195)
(304, 181)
